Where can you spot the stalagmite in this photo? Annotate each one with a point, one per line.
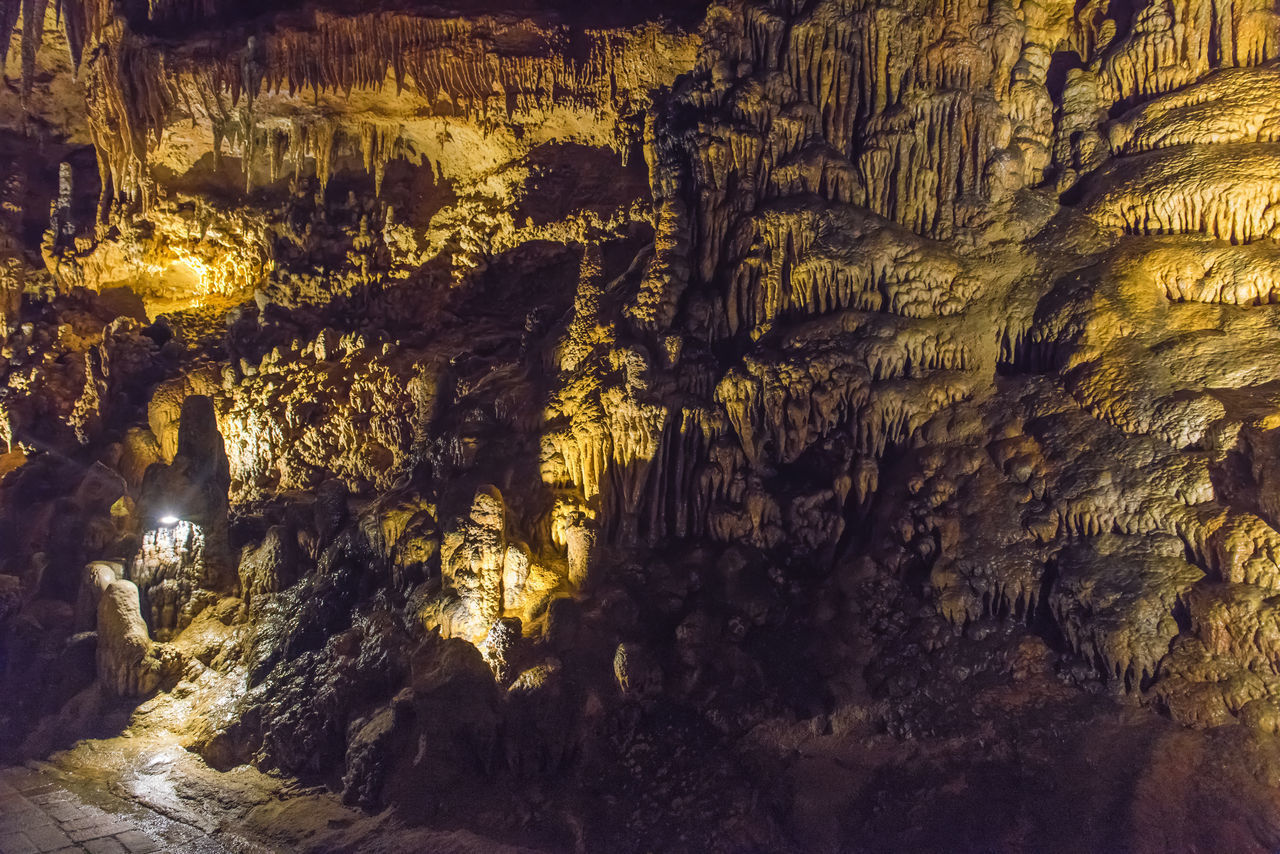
(128, 662)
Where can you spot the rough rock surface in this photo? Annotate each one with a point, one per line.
(753, 425)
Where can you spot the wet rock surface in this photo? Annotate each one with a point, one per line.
(40, 810)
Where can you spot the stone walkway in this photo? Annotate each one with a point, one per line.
(39, 812)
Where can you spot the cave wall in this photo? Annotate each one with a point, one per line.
(490, 383)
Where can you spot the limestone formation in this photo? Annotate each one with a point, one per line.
(269, 566)
(129, 663)
(183, 512)
(752, 425)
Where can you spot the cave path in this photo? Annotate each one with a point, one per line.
(39, 813)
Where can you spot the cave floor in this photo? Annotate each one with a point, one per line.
(141, 790)
(41, 810)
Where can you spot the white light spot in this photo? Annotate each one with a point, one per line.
(168, 520)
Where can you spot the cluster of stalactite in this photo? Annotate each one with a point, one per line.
(1175, 42)
(1177, 63)
(805, 111)
(805, 260)
(472, 67)
(1229, 192)
(1229, 105)
(129, 103)
(313, 141)
(605, 424)
(851, 329)
(443, 59)
(1143, 518)
(81, 20)
(124, 102)
(920, 114)
(909, 111)
(801, 325)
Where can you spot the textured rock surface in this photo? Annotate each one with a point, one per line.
(759, 425)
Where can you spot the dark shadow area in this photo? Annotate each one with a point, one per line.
(569, 177)
(1124, 12)
(32, 184)
(1059, 66)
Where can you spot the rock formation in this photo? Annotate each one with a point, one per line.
(756, 425)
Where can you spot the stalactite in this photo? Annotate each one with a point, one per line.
(73, 15)
(451, 62)
(1176, 191)
(319, 145)
(33, 14)
(378, 146)
(1175, 43)
(10, 13)
(130, 102)
(915, 116)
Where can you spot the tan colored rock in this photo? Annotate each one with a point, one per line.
(129, 663)
(269, 566)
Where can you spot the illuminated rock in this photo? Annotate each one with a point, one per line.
(473, 556)
(659, 424)
(183, 507)
(269, 566)
(129, 663)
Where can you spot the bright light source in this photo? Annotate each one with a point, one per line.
(168, 520)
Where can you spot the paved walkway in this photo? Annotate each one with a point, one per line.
(39, 813)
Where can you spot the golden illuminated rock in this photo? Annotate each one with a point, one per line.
(756, 425)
